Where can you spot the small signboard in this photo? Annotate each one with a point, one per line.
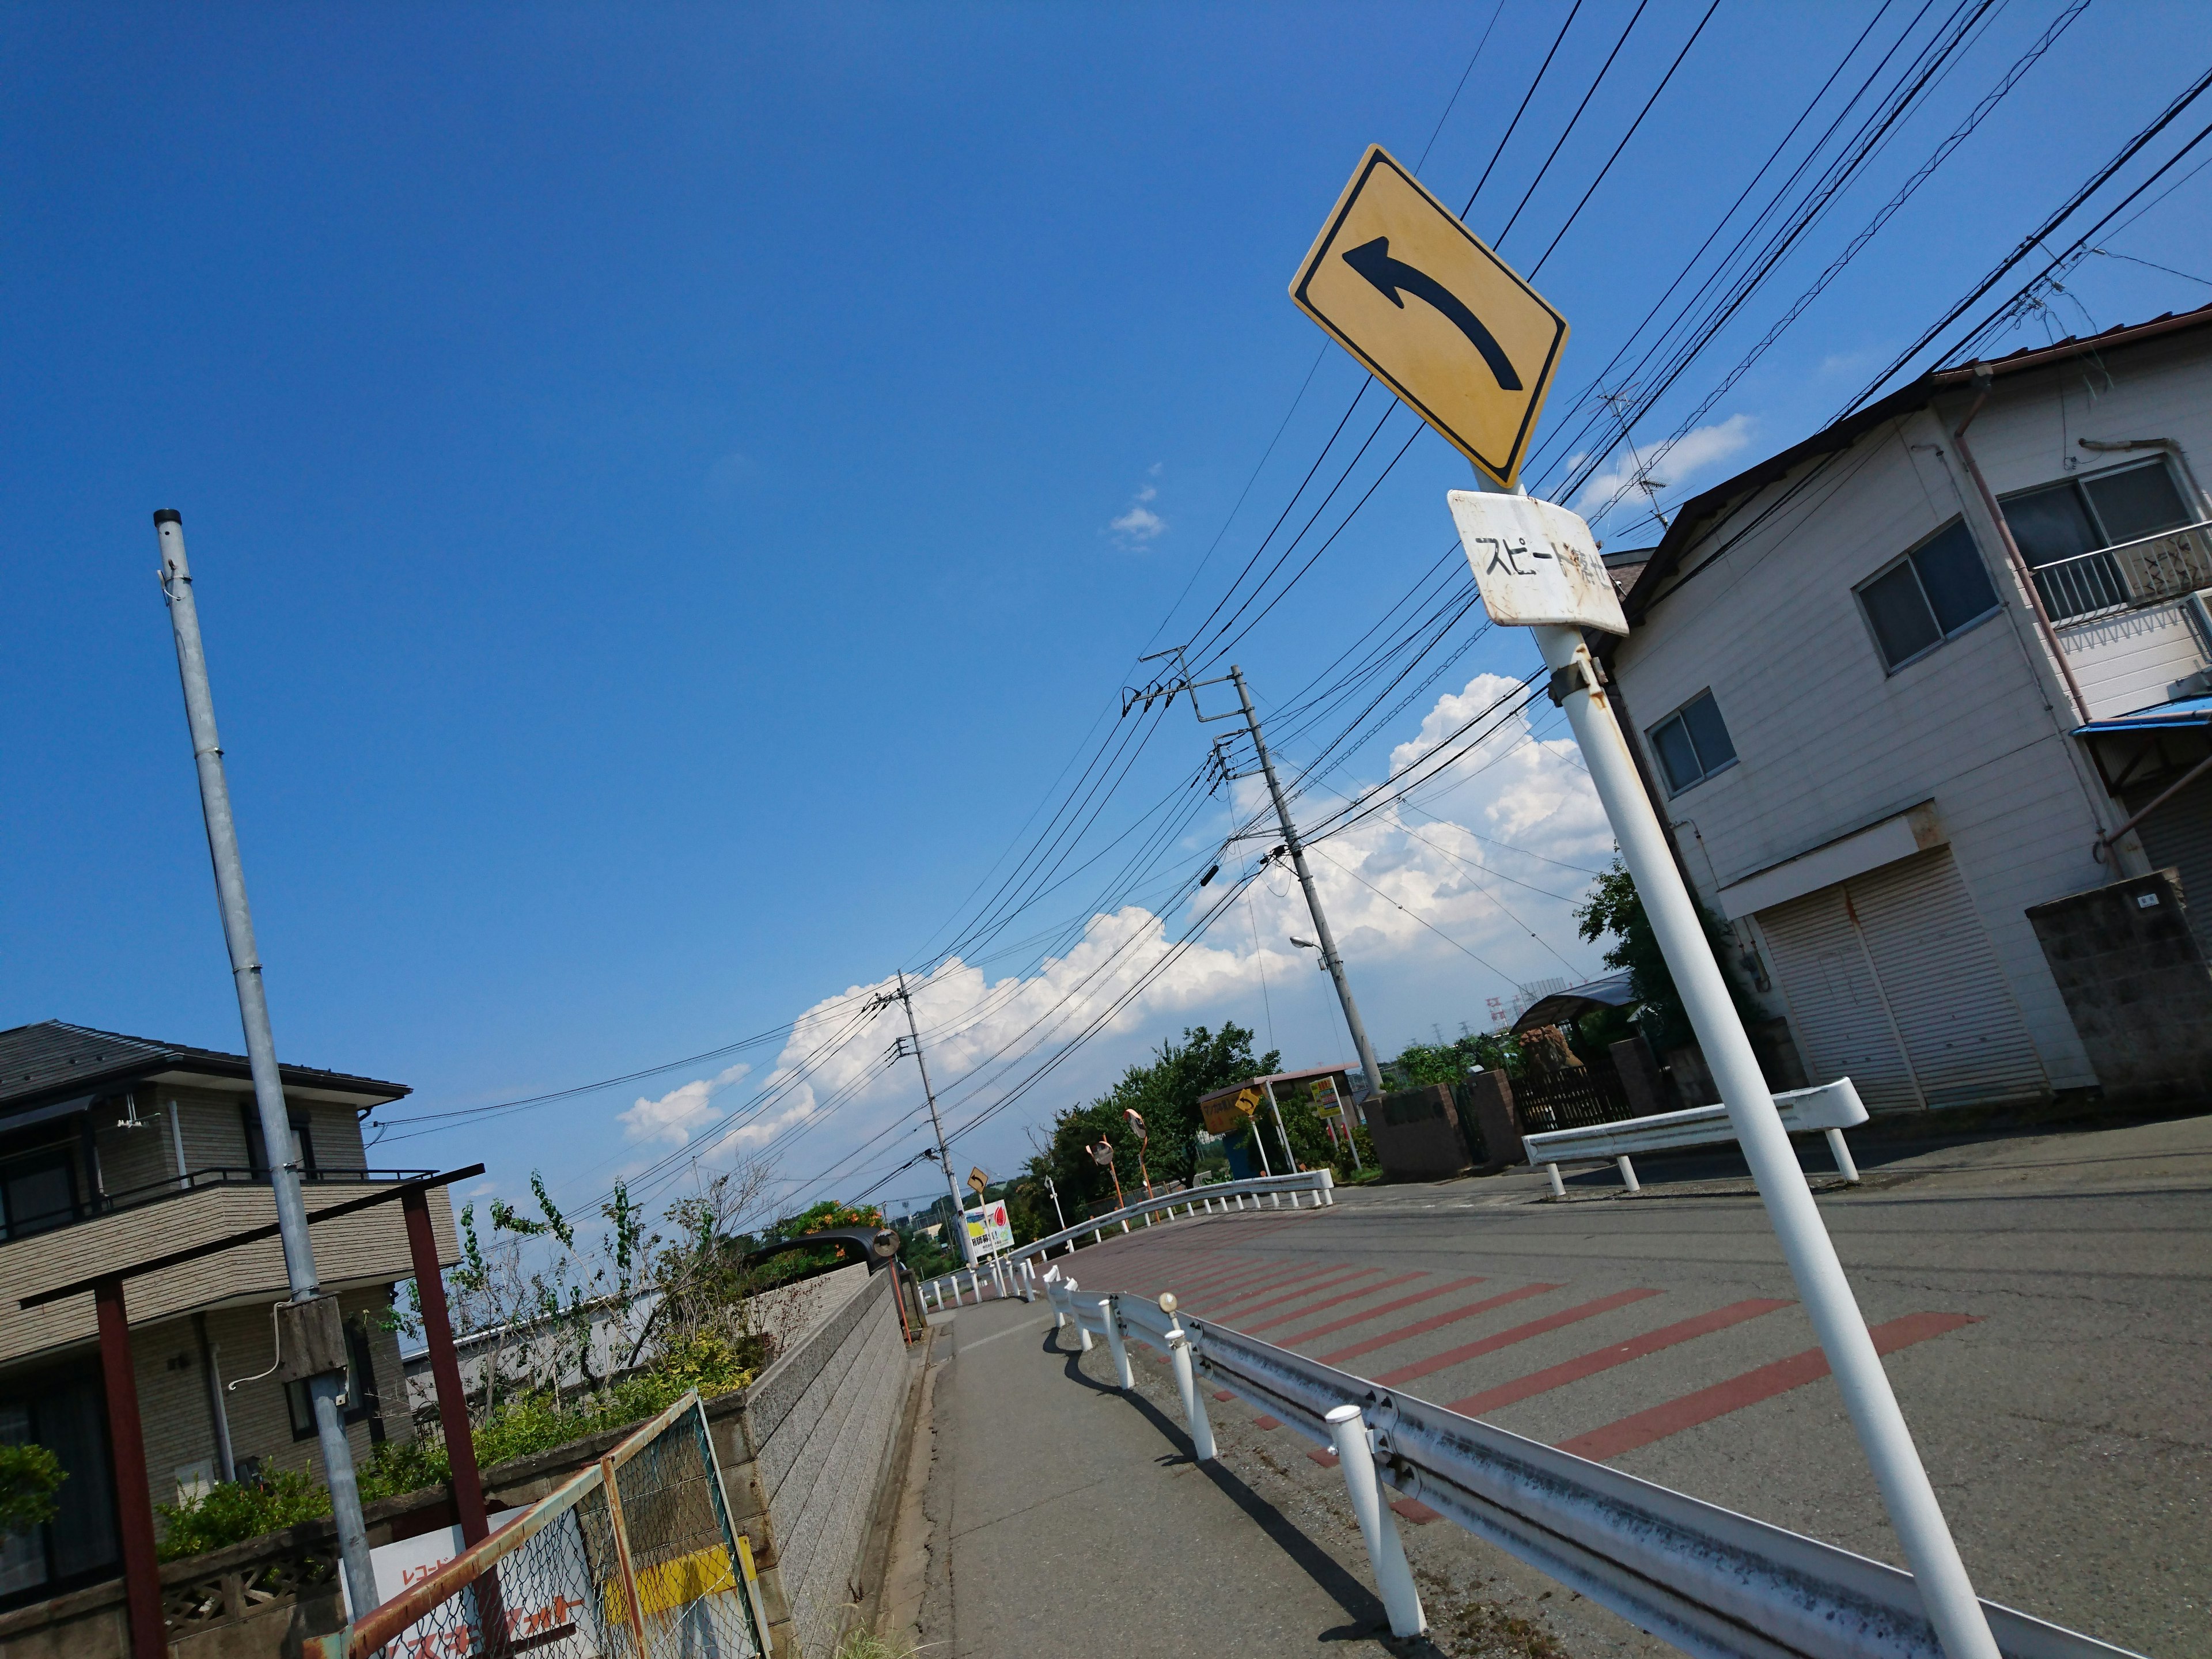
(1535, 563)
(1438, 318)
(545, 1611)
(990, 1230)
(1326, 1103)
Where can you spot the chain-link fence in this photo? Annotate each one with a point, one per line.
(635, 1558)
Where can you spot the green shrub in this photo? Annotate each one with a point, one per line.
(236, 1511)
(29, 1478)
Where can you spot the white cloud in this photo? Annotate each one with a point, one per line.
(1140, 523)
(1670, 465)
(1415, 894)
(680, 1113)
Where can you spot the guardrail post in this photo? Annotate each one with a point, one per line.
(1386, 1551)
(1194, 1404)
(1558, 1187)
(1841, 1154)
(1328, 1184)
(1114, 1341)
(1628, 1174)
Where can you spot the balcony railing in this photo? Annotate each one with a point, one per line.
(2150, 571)
(219, 1174)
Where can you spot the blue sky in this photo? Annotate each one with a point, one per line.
(653, 477)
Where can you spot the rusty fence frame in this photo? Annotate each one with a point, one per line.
(368, 1634)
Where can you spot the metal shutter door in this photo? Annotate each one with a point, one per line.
(1835, 1005)
(1963, 1032)
(2178, 836)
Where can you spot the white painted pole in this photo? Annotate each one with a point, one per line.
(1194, 1404)
(1946, 1593)
(1122, 1374)
(1386, 1551)
(1627, 1174)
(1844, 1167)
(1290, 1158)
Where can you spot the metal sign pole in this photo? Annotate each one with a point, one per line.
(326, 1389)
(1946, 1592)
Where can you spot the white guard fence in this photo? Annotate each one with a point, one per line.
(1704, 1579)
(636, 1557)
(1013, 1272)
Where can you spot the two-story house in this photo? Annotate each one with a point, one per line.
(116, 1150)
(1903, 683)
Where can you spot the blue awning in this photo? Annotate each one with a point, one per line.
(2182, 711)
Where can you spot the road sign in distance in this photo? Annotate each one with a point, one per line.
(978, 1180)
(1535, 563)
(1437, 316)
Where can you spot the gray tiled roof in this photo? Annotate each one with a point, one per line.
(54, 1059)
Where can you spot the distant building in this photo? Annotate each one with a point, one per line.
(114, 1150)
(1875, 756)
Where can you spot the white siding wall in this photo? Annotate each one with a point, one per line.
(1828, 741)
(2128, 661)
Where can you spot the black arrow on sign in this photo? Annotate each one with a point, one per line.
(1372, 260)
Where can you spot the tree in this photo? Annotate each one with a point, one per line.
(1616, 909)
(1451, 1062)
(30, 1475)
(1165, 1091)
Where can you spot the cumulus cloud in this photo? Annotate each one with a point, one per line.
(1671, 465)
(681, 1113)
(1468, 888)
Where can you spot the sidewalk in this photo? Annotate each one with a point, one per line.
(1064, 1517)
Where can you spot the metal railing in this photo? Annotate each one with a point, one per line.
(2146, 571)
(2082, 586)
(1704, 1579)
(1012, 1272)
(1571, 1097)
(637, 1556)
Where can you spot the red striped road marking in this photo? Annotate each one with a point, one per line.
(1748, 1389)
(1303, 1290)
(1334, 1325)
(1436, 1362)
(1435, 1322)
(1573, 1370)
(1308, 1312)
(1274, 1279)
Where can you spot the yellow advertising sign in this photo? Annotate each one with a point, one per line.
(1230, 1109)
(1439, 318)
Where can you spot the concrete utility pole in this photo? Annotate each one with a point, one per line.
(1331, 958)
(959, 1221)
(326, 1389)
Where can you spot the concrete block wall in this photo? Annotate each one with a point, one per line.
(805, 1461)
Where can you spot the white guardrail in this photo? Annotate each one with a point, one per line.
(1013, 1272)
(1830, 1107)
(1704, 1579)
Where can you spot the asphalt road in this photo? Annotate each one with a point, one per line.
(2043, 1301)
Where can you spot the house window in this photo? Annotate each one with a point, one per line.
(361, 1404)
(1692, 743)
(64, 1415)
(1934, 592)
(38, 1191)
(2062, 529)
(257, 1148)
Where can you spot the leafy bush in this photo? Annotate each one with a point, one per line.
(29, 1478)
(236, 1511)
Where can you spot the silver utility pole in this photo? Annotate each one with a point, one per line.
(959, 1221)
(326, 1389)
(1371, 1071)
